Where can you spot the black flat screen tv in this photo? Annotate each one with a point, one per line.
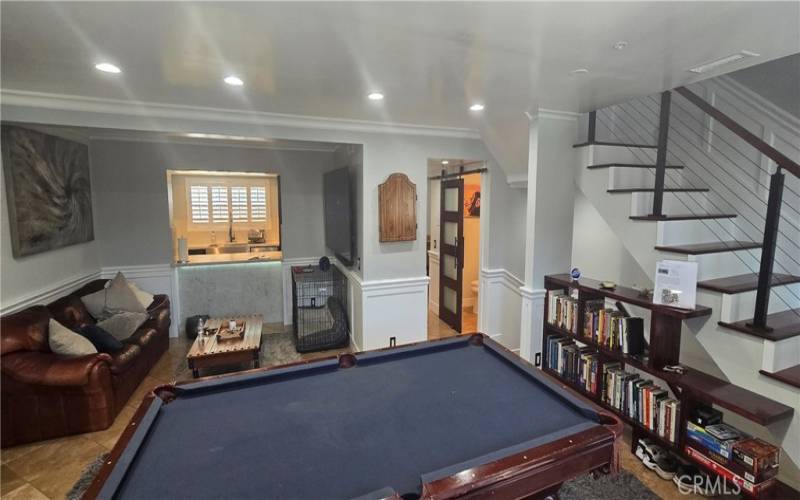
(339, 215)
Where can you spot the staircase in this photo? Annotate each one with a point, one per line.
(676, 178)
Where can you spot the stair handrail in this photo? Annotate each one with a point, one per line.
(779, 158)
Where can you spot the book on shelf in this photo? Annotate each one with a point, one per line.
(562, 310)
(612, 329)
(575, 362)
(642, 401)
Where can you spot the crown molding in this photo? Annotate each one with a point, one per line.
(65, 102)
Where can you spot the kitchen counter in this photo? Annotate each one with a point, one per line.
(230, 258)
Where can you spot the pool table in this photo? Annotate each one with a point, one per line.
(460, 417)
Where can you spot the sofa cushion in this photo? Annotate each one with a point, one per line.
(65, 342)
(120, 297)
(124, 358)
(95, 303)
(124, 324)
(144, 298)
(70, 311)
(100, 339)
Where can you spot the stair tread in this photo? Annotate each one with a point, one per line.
(622, 144)
(630, 165)
(650, 190)
(789, 375)
(682, 217)
(751, 405)
(744, 282)
(704, 248)
(785, 325)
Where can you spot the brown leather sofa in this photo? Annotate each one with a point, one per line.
(45, 395)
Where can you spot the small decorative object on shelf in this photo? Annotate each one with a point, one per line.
(608, 285)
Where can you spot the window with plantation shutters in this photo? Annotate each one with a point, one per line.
(198, 201)
(239, 204)
(258, 203)
(214, 202)
(219, 203)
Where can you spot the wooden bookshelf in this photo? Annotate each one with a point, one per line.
(691, 388)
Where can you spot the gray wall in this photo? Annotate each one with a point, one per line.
(507, 217)
(777, 81)
(132, 213)
(33, 274)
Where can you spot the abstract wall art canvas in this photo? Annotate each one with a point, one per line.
(48, 190)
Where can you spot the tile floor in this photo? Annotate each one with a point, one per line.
(47, 470)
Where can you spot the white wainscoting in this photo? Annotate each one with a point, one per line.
(48, 294)
(394, 308)
(530, 337)
(500, 302)
(433, 289)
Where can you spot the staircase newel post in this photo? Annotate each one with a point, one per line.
(768, 249)
(661, 155)
(592, 133)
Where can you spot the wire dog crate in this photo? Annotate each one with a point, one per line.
(319, 308)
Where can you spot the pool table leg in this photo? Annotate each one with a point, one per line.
(195, 373)
(548, 494)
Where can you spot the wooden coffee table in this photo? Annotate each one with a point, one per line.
(207, 351)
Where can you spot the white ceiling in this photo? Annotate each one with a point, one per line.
(430, 59)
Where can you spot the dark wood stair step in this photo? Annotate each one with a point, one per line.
(621, 144)
(744, 282)
(789, 375)
(751, 405)
(704, 248)
(629, 165)
(785, 325)
(650, 190)
(682, 217)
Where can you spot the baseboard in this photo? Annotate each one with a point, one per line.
(48, 294)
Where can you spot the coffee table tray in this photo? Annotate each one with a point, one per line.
(224, 333)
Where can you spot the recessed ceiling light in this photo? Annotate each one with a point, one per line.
(579, 71)
(233, 80)
(476, 107)
(107, 68)
(620, 45)
(375, 96)
(445, 162)
(722, 61)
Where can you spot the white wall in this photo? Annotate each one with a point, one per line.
(32, 278)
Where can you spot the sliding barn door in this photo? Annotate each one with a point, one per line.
(451, 252)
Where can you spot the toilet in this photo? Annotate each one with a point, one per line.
(474, 287)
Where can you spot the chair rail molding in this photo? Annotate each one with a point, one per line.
(47, 294)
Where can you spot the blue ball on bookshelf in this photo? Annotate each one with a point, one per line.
(575, 273)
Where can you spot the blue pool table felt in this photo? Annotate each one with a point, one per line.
(396, 419)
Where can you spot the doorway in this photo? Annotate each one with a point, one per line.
(454, 246)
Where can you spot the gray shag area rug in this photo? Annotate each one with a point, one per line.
(622, 486)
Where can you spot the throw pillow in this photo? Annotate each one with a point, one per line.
(100, 339)
(143, 297)
(123, 325)
(65, 342)
(96, 304)
(120, 297)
